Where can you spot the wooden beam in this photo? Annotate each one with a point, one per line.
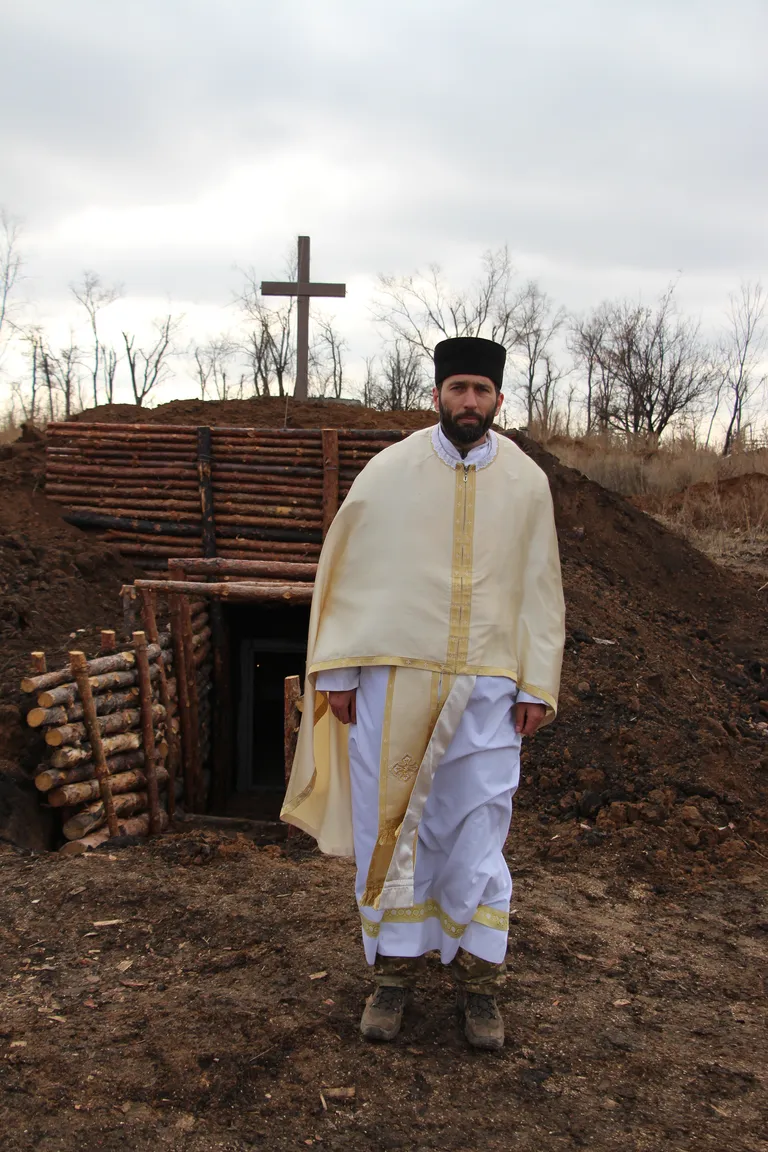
(330, 477)
(273, 288)
(204, 457)
(148, 731)
(255, 591)
(301, 386)
(79, 667)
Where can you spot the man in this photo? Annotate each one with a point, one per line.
(435, 645)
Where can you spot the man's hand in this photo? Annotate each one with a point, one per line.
(528, 717)
(344, 706)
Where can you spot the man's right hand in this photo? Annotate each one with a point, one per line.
(344, 706)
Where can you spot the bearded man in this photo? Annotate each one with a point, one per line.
(435, 644)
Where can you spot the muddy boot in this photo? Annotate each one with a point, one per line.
(383, 1013)
(483, 1025)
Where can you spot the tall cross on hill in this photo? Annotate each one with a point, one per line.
(302, 290)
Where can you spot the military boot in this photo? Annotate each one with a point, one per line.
(383, 1013)
(483, 1025)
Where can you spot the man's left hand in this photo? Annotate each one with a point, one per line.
(528, 718)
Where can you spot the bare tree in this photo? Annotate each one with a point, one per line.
(740, 352)
(402, 384)
(268, 346)
(60, 375)
(11, 264)
(214, 362)
(149, 369)
(94, 296)
(549, 376)
(538, 324)
(586, 340)
(370, 382)
(658, 367)
(108, 372)
(327, 360)
(421, 309)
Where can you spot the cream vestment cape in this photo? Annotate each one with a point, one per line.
(450, 571)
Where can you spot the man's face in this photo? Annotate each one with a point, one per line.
(467, 407)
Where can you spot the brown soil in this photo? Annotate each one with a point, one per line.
(197, 994)
(58, 588)
(262, 413)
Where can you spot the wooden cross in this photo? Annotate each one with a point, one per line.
(302, 290)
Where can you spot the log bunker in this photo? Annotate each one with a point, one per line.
(202, 708)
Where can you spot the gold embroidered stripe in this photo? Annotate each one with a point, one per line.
(430, 909)
(461, 569)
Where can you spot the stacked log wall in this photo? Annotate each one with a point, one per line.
(111, 735)
(172, 492)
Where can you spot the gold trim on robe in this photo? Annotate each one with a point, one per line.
(456, 575)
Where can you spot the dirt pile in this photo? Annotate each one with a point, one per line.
(58, 587)
(662, 733)
(269, 412)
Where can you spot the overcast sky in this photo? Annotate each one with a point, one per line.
(611, 143)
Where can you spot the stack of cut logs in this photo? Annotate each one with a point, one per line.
(161, 491)
(112, 728)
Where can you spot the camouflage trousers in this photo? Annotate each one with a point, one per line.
(470, 972)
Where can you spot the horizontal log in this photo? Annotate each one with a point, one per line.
(156, 551)
(163, 515)
(93, 815)
(162, 430)
(88, 790)
(115, 662)
(148, 527)
(51, 778)
(91, 454)
(133, 826)
(52, 468)
(254, 591)
(263, 568)
(88, 502)
(169, 529)
(65, 695)
(67, 757)
(63, 714)
(108, 726)
(130, 487)
(259, 549)
(295, 551)
(365, 434)
(220, 470)
(96, 427)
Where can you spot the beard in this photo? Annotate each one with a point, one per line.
(466, 432)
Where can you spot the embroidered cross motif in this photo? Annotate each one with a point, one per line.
(405, 769)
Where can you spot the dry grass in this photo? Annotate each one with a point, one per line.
(719, 504)
(9, 430)
(646, 471)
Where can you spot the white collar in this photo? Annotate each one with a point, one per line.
(481, 456)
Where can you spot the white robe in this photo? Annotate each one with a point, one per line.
(462, 885)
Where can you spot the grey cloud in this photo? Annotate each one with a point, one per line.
(602, 133)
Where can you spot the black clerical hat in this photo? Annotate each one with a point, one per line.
(469, 356)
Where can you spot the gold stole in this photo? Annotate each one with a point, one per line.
(414, 701)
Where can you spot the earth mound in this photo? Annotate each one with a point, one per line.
(261, 412)
(58, 588)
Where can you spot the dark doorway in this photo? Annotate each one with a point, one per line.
(267, 643)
